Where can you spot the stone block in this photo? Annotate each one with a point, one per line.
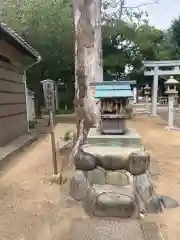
(144, 187)
(154, 205)
(169, 202)
(112, 158)
(146, 192)
(138, 162)
(96, 176)
(78, 186)
(85, 161)
(111, 201)
(119, 178)
(142, 207)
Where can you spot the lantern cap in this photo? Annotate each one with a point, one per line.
(171, 81)
(147, 87)
(47, 81)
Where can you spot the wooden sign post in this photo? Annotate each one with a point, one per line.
(48, 88)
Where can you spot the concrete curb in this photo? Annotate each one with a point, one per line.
(8, 157)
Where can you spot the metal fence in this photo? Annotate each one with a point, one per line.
(164, 101)
(141, 108)
(177, 114)
(164, 114)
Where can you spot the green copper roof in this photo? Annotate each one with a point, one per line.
(113, 87)
(113, 91)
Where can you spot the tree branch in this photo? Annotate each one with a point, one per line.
(140, 5)
(120, 5)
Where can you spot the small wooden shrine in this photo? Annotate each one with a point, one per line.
(114, 99)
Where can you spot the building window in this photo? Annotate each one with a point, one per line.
(5, 59)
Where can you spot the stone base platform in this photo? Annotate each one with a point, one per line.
(98, 229)
(130, 139)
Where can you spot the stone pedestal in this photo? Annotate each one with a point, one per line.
(104, 180)
(130, 139)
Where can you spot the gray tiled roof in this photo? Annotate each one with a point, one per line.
(19, 40)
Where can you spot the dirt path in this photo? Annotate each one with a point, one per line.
(164, 147)
(31, 208)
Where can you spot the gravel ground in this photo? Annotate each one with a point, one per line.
(31, 208)
(164, 147)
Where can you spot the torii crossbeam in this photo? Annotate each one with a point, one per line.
(156, 69)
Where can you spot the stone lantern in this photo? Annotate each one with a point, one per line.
(171, 86)
(147, 91)
(171, 91)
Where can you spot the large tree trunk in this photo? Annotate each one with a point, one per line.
(88, 59)
(98, 42)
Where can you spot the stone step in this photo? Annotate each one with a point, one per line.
(111, 201)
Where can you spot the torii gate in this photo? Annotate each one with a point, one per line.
(172, 68)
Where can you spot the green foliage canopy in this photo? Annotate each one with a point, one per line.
(127, 39)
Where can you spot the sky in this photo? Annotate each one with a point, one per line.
(161, 14)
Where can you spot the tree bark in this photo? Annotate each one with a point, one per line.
(98, 42)
(88, 59)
